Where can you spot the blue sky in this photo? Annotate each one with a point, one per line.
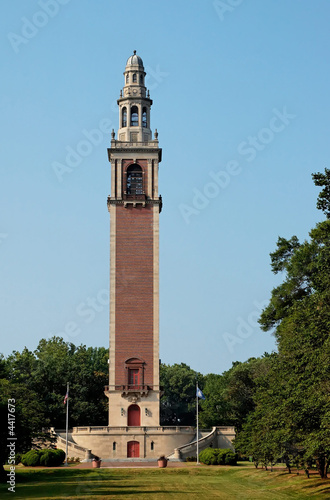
(241, 104)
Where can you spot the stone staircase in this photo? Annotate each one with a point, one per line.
(74, 450)
(205, 439)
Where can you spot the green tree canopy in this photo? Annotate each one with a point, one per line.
(293, 403)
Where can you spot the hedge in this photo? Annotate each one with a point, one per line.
(46, 457)
(218, 456)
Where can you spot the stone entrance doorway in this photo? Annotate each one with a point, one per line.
(134, 416)
(133, 449)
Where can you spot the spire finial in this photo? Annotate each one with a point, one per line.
(134, 52)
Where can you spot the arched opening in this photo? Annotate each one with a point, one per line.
(152, 446)
(141, 79)
(134, 78)
(133, 449)
(127, 77)
(124, 118)
(134, 182)
(144, 118)
(114, 446)
(134, 116)
(134, 416)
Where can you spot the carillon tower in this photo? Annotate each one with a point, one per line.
(134, 206)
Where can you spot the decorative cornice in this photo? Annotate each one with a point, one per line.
(134, 147)
(116, 201)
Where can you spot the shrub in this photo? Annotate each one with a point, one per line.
(208, 457)
(231, 458)
(18, 458)
(60, 456)
(191, 459)
(46, 457)
(31, 458)
(218, 456)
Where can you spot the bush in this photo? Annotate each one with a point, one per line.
(31, 458)
(218, 456)
(191, 459)
(60, 456)
(18, 458)
(208, 456)
(231, 458)
(45, 457)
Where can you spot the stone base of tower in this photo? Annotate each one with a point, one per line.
(143, 443)
(122, 406)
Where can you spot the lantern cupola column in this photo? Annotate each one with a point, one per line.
(134, 103)
(134, 206)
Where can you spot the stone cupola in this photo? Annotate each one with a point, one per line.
(134, 103)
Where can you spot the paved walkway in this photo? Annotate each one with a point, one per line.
(130, 465)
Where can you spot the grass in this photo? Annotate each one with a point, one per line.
(190, 481)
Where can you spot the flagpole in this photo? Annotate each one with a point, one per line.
(67, 425)
(197, 440)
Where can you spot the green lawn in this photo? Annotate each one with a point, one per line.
(188, 483)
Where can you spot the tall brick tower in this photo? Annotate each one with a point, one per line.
(134, 204)
(134, 207)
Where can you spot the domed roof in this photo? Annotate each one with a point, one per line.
(134, 60)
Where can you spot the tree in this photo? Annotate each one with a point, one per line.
(26, 424)
(299, 315)
(47, 370)
(215, 408)
(178, 403)
(323, 200)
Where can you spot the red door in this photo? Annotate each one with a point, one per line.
(134, 416)
(133, 449)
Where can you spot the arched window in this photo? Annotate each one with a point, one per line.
(127, 78)
(152, 446)
(124, 118)
(134, 116)
(141, 79)
(134, 182)
(134, 78)
(114, 445)
(144, 117)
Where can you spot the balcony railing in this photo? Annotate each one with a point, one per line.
(130, 388)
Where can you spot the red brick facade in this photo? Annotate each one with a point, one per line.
(134, 289)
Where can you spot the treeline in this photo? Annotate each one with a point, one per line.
(35, 384)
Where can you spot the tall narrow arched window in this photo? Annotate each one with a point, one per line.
(124, 117)
(134, 182)
(144, 118)
(134, 78)
(134, 116)
(127, 78)
(141, 79)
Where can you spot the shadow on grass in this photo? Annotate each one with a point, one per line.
(69, 477)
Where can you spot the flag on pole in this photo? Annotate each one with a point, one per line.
(66, 397)
(199, 393)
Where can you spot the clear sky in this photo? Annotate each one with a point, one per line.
(241, 104)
